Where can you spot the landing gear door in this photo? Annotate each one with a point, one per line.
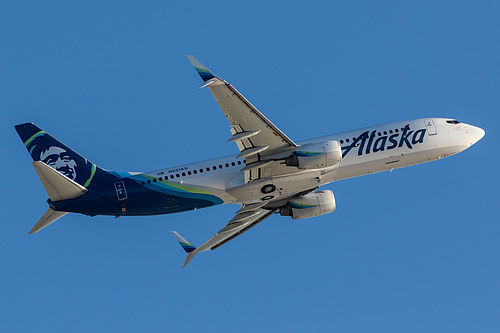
(431, 128)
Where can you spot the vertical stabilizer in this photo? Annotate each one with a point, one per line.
(44, 147)
(47, 218)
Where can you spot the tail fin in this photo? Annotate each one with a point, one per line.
(43, 147)
(58, 187)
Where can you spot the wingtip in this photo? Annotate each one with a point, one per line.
(202, 70)
(184, 243)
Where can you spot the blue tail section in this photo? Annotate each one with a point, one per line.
(43, 147)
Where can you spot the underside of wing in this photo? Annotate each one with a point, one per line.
(256, 136)
(244, 220)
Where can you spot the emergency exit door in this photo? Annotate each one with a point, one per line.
(121, 192)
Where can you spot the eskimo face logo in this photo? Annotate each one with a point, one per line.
(60, 160)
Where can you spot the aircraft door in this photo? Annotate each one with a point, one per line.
(121, 192)
(431, 128)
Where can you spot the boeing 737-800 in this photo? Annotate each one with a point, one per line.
(271, 173)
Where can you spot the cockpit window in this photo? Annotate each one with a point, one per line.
(453, 122)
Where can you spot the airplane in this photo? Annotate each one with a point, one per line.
(270, 174)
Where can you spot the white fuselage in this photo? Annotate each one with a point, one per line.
(366, 151)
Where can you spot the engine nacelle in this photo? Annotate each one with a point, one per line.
(310, 205)
(316, 155)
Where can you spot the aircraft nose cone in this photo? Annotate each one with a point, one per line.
(477, 133)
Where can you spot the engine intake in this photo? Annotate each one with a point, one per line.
(310, 205)
(316, 155)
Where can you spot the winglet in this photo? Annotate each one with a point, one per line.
(202, 70)
(187, 246)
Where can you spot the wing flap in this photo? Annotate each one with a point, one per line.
(233, 230)
(255, 135)
(230, 231)
(244, 117)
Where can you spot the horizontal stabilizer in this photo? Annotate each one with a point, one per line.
(47, 218)
(58, 186)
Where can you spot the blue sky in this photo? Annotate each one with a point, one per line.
(413, 250)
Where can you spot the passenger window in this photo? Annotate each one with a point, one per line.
(201, 170)
(154, 180)
(171, 176)
(177, 175)
(189, 173)
(161, 178)
(346, 140)
(214, 167)
(385, 132)
(208, 169)
(239, 162)
(142, 183)
(149, 181)
(341, 141)
(227, 165)
(233, 164)
(379, 134)
(183, 174)
(397, 131)
(220, 166)
(390, 131)
(195, 172)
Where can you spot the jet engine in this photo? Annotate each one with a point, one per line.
(310, 205)
(316, 155)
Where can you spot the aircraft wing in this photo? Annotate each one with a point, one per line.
(246, 218)
(255, 135)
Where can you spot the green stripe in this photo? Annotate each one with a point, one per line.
(303, 205)
(91, 176)
(180, 187)
(202, 70)
(32, 137)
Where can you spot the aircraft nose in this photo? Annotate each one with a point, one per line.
(477, 133)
